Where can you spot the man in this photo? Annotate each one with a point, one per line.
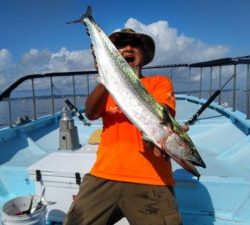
(130, 177)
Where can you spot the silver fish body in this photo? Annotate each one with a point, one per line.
(136, 103)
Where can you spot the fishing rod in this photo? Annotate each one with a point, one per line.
(72, 107)
(193, 119)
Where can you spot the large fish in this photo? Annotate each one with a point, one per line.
(152, 119)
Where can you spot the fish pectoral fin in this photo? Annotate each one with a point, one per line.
(157, 150)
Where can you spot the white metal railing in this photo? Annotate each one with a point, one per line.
(199, 79)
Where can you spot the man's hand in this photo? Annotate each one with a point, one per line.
(185, 127)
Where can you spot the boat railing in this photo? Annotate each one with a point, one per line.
(199, 79)
(52, 90)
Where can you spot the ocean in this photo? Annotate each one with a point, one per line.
(24, 106)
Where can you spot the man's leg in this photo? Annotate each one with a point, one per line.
(149, 205)
(95, 203)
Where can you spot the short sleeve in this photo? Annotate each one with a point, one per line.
(162, 90)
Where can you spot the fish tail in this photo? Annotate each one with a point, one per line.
(87, 14)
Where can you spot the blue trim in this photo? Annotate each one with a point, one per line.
(239, 119)
(10, 132)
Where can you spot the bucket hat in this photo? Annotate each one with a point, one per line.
(147, 42)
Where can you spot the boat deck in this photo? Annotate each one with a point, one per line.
(220, 197)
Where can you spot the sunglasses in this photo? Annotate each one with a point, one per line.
(133, 42)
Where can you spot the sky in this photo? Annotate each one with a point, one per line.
(34, 36)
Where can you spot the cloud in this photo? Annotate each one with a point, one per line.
(5, 64)
(171, 47)
(42, 61)
(5, 59)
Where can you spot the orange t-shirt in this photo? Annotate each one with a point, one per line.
(121, 154)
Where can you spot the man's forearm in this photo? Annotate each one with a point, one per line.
(96, 101)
